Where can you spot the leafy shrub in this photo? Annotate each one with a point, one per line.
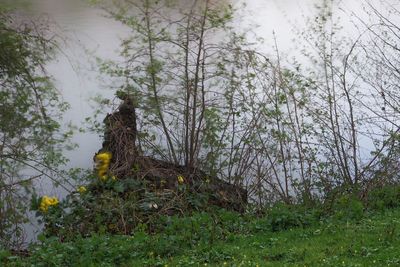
(348, 207)
(110, 206)
(384, 197)
(123, 206)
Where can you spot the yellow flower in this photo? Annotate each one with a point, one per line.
(102, 164)
(181, 180)
(114, 177)
(82, 189)
(46, 202)
(102, 172)
(104, 156)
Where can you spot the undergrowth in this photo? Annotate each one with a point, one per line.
(224, 238)
(349, 232)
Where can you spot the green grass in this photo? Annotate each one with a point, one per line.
(225, 239)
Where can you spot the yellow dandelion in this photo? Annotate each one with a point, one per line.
(104, 156)
(102, 172)
(102, 164)
(181, 180)
(46, 202)
(82, 189)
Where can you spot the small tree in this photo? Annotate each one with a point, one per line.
(379, 69)
(182, 69)
(30, 111)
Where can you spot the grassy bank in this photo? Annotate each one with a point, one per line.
(223, 238)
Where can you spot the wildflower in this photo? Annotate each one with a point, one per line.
(181, 180)
(104, 157)
(102, 164)
(101, 171)
(46, 202)
(113, 177)
(82, 189)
